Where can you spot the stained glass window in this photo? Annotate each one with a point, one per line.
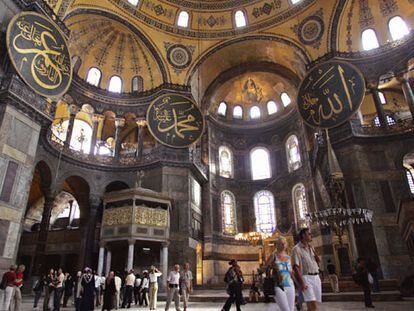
(137, 84)
(300, 206)
(226, 162)
(260, 163)
(293, 153)
(264, 208)
(228, 205)
(410, 181)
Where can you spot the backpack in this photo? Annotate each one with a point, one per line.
(3, 283)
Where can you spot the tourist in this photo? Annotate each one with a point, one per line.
(97, 288)
(333, 278)
(173, 290)
(77, 292)
(118, 284)
(137, 289)
(154, 274)
(362, 278)
(305, 264)
(49, 287)
(109, 290)
(282, 275)
(16, 303)
(234, 280)
(68, 289)
(7, 287)
(129, 289)
(144, 289)
(38, 289)
(372, 268)
(60, 278)
(186, 284)
(87, 291)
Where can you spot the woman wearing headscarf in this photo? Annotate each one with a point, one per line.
(88, 290)
(109, 292)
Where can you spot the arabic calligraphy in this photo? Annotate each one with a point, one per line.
(39, 53)
(175, 120)
(330, 94)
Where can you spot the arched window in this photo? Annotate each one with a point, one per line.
(398, 28)
(222, 109)
(271, 107)
(226, 162)
(183, 19)
(390, 120)
(254, 112)
(133, 2)
(71, 213)
(238, 112)
(260, 163)
(264, 207)
(293, 153)
(410, 181)
(137, 84)
(369, 40)
(115, 84)
(94, 76)
(81, 136)
(228, 206)
(382, 98)
(240, 19)
(300, 206)
(295, 1)
(285, 99)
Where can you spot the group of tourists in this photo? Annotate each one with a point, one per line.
(11, 283)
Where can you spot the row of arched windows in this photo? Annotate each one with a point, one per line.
(255, 112)
(183, 19)
(115, 82)
(260, 160)
(397, 27)
(264, 209)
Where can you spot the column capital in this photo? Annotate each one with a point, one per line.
(141, 122)
(119, 122)
(95, 200)
(73, 109)
(102, 244)
(131, 241)
(97, 118)
(165, 244)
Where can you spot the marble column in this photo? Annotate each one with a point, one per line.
(108, 261)
(119, 124)
(378, 107)
(73, 110)
(130, 263)
(70, 218)
(352, 240)
(94, 202)
(140, 137)
(101, 258)
(95, 122)
(408, 94)
(164, 264)
(43, 232)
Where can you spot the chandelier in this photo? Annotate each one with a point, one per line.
(253, 237)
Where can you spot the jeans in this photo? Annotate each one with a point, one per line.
(367, 296)
(129, 290)
(6, 296)
(38, 294)
(56, 298)
(173, 293)
(235, 296)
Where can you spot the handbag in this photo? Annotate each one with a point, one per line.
(370, 279)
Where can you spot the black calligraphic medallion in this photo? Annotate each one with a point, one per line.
(330, 94)
(175, 120)
(40, 54)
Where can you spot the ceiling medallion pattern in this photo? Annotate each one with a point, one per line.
(311, 29)
(179, 56)
(267, 8)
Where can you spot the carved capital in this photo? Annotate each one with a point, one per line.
(97, 118)
(119, 122)
(141, 122)
(73, 110)
(94, 201)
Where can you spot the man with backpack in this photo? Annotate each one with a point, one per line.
(362, 278)
(7, 287)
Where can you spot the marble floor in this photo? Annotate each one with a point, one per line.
(328, 306)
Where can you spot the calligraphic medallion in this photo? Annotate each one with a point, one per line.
(330, 94)
(40, 54)
(175, 120)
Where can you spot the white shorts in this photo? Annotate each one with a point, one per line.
(314, 290)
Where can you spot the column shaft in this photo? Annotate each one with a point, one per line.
(409, 95)
(108, 261)
(94, 135)
(379, 108)
(101, 260)
(164, 264)
(70, 130)
(130, 262)
(94, 202)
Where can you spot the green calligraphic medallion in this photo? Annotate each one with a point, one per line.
(175, 120)
(40, 54)
(330, 94)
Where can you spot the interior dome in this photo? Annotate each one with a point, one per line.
(103, 43)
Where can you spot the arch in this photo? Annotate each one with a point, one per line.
(264, 207)
(255, 112)
(115, 84)
(293, 153)
(183, 19)
(260, 163)
(300, 205)
(398, 28)
(222, 109)
(116, 185)
(76, 62)
(271, 107)
(240, 19)
(369, 39)
(238, 112)
(285, 98)
(137, 84)
(228, 207)
(225, 162)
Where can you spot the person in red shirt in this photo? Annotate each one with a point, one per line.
(6, 294)
(18, 283)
